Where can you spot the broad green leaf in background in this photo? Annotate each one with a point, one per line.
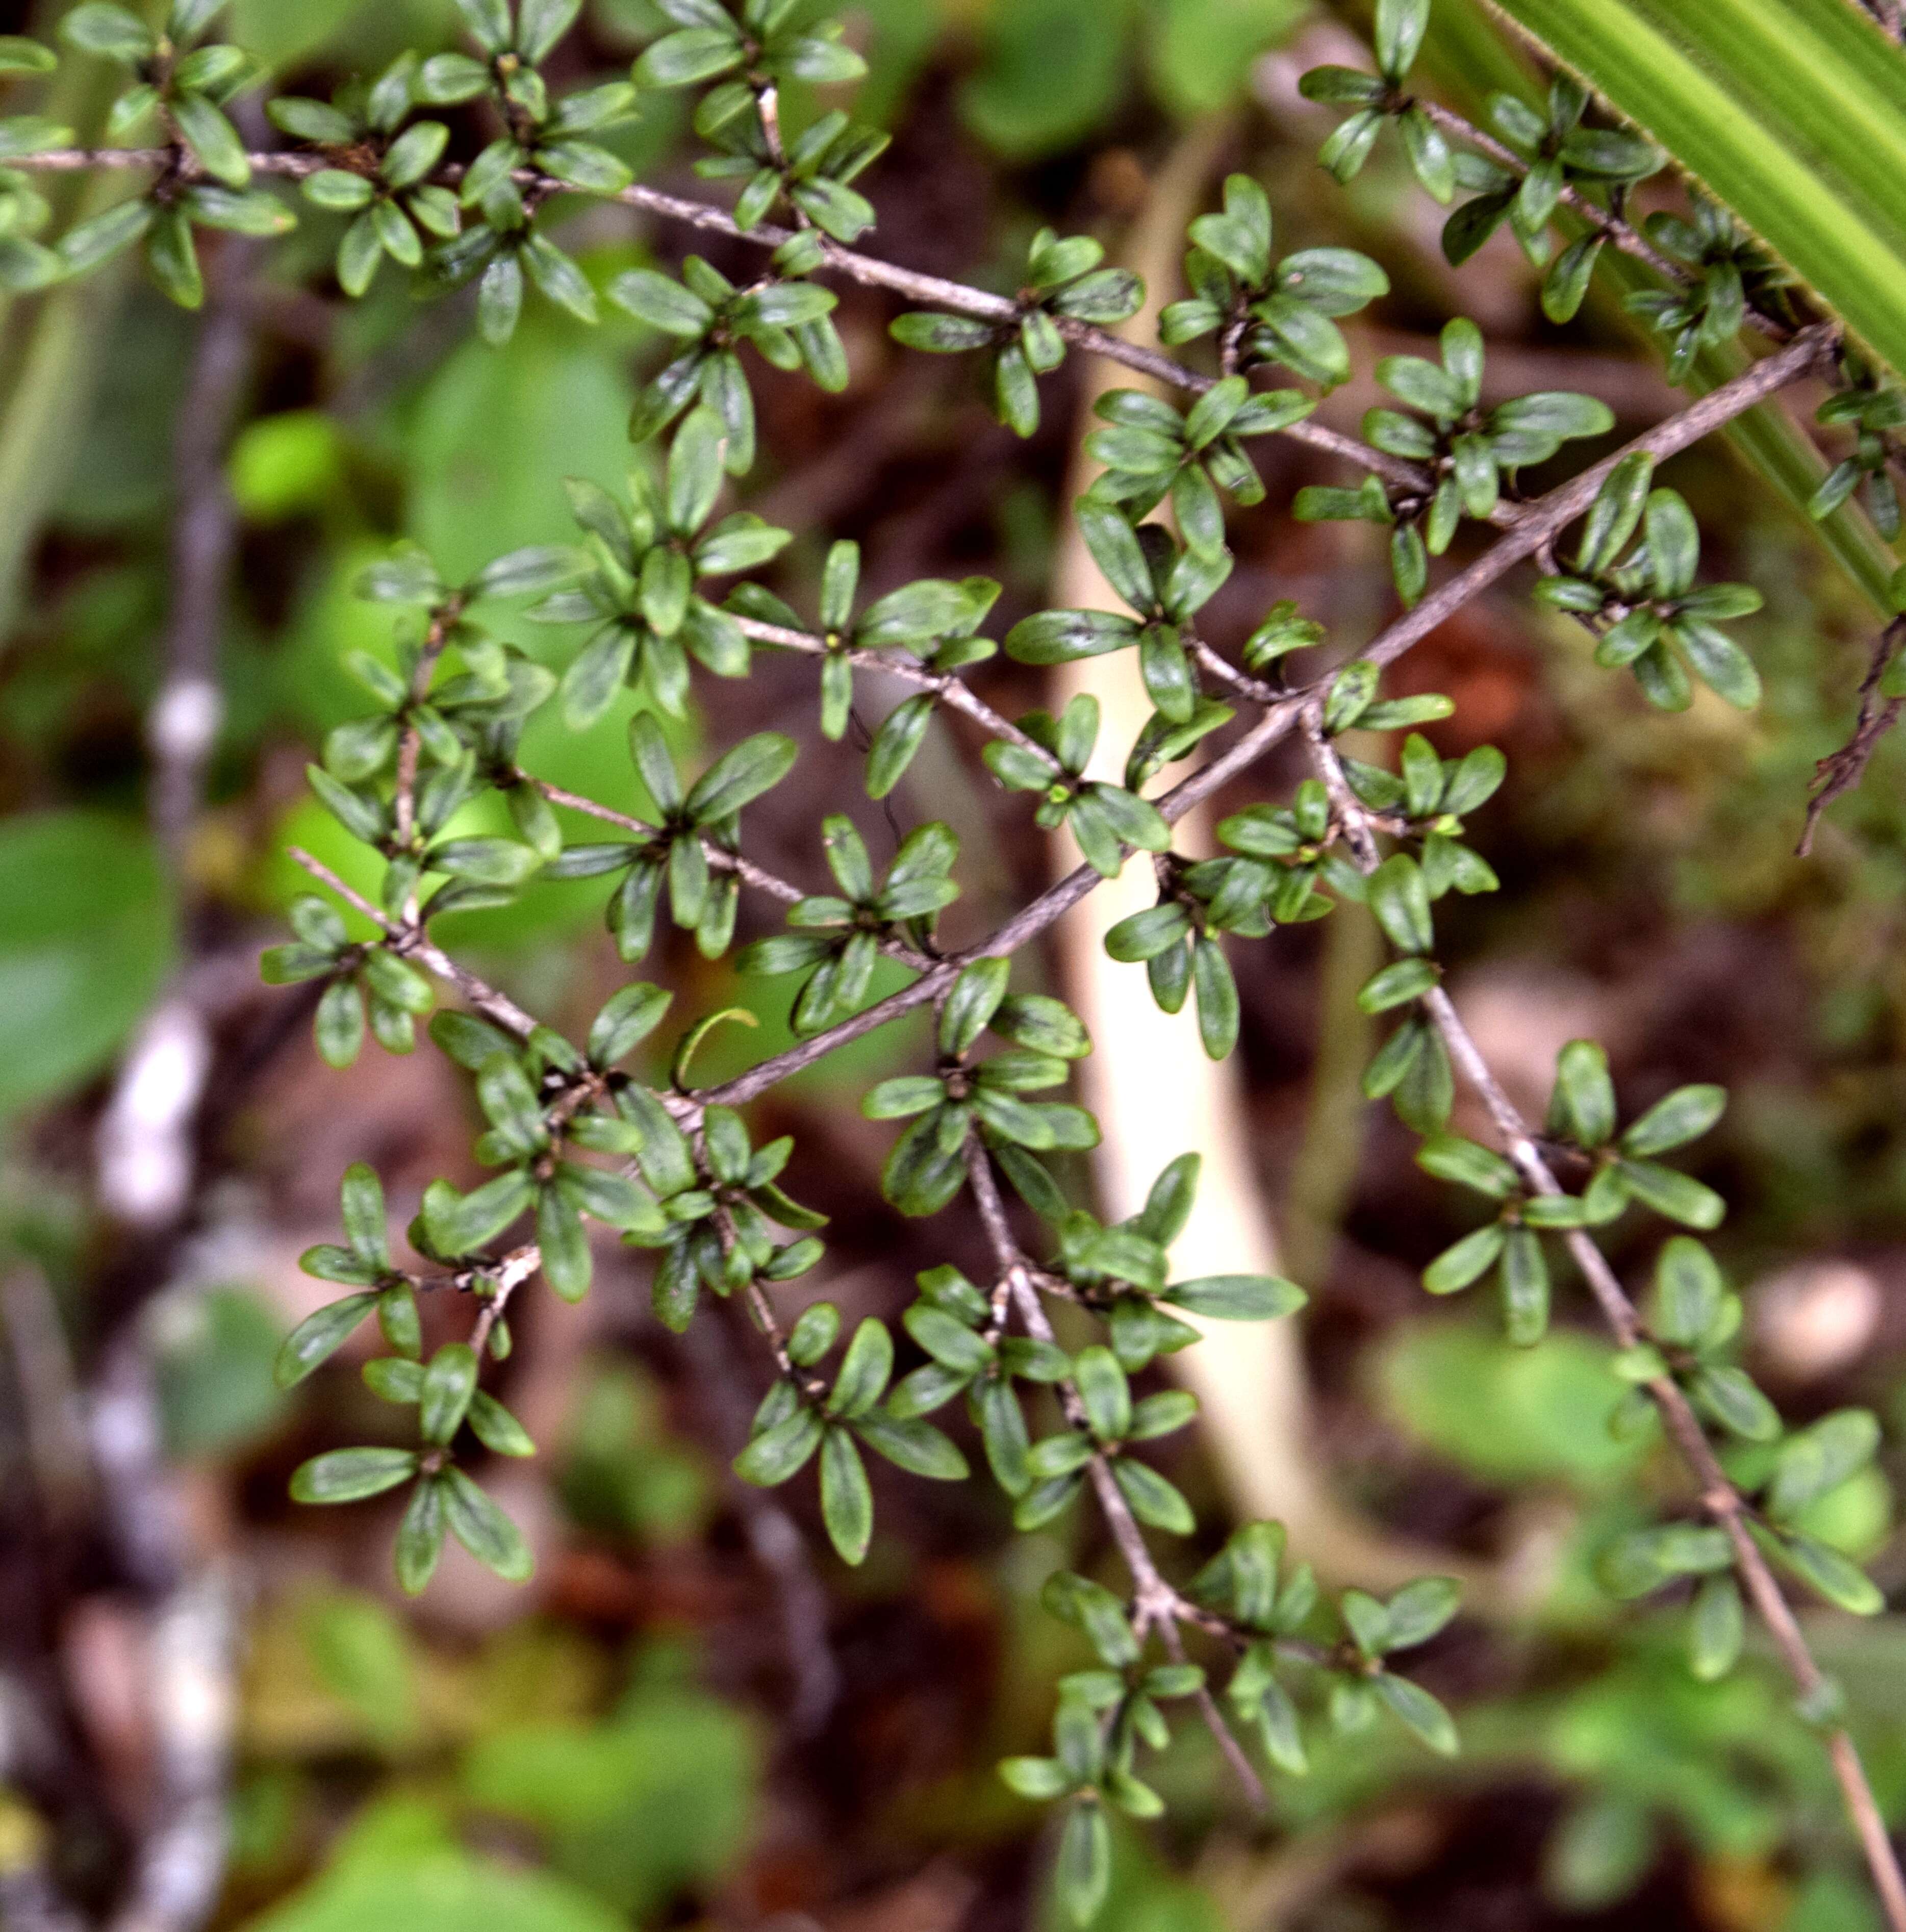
(363, 34)
(659, 1799)
(901, 37)
(492, 435)
(1790, 112)
(277, 34)
(1200, 52)
(400, 1871)
(360, 1652)
(1145, 1894)
(52, 345)
(1506, 1415)
(215, 1347)
(1052, 70)
(622, 1475)
(1711, 1757)
(86, 939)
(286, 465)
(120, 468)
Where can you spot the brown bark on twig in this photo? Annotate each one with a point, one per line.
(1839, 772)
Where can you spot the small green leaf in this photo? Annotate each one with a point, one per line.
(1418, 1712)
(1716, 1628)
(1729, 1395)
(349, 1475)
(1678, 1196)
(480, 1525)
(1217, 989)
(1153, 1501)
(420, 1536)
(975, 997)
(1419, 1609)
(320, 1336)
(1401, 903)
(740, 776)
(1689, 1292)
(1466, 1262)
(1840, 1581)
(779, 1452)
(1583, 1106)
(448, 1384)
(1398, 33)
(1820, 1458)
(1525, 1288)
(1105, 1392)
(913, 1445)
(1684, 1115)
(1083, 1874)
(1237, 1298)
(847, 1500)
(864, 1371)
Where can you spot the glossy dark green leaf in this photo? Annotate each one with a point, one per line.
(448, 1383)
(913, 1445)
(864, 1371)
(1418, 1712)
(1154, 1500)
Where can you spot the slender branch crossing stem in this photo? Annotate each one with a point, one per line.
(720, 858)
(415, 944)
(1544, 519)
(1538, 524)
(1156, 1604)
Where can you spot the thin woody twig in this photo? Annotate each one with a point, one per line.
(1840, 771)
(1531, 529)
(868, 270)
(1544, 519)
(948, 686)
(1620, 233)
(409, 745)
(1719, 1496)
(487, 1001)
(720, 858)
(1156, 1604)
